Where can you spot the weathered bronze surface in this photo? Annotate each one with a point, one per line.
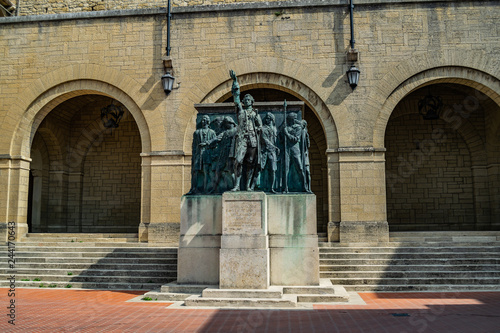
(234, 150)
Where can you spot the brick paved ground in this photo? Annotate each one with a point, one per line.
(56, 310)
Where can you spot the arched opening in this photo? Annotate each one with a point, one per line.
(443, 174)
(85, 177)
(317, 156)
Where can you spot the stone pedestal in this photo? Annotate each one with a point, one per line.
(293, 239)
(200, 240)
(249, 249)
(244, 253)
(248, 240)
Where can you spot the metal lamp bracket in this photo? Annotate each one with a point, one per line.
(168, 67)
(352, 56)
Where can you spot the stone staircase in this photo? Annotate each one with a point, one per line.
(272, 297)
(93, 261)
(417, 261)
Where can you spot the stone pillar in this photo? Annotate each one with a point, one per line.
(494, 189)
(481, 198)
(333, 194)
(36, 208)
(58, 202)
(162, 189)
(293, 239)
(363, 195)
(74, 206)
(14, 180)
(244, 253)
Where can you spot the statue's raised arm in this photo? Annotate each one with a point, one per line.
(235, 88)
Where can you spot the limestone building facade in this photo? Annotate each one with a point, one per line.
(377, 164)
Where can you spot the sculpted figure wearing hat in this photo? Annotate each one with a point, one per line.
(247, 139)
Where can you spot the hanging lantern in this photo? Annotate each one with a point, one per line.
(167, 81)
(430, 106)
(111, 115)
(353, 76)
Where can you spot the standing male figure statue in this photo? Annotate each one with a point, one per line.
(247, 138)
(200, 161)
(305, 143)
(269, 153)
(224, 170)
(291, 135)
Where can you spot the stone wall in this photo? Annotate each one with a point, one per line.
(112, 182)
(437, 191)
(43, 7)
(403, 46)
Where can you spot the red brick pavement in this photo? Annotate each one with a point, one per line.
(56, 310)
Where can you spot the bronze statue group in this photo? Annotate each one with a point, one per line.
(251, 154)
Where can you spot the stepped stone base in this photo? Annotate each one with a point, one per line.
(416, 261)
(272, 297)
(89, 261)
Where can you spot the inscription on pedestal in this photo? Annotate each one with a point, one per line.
(242, 216)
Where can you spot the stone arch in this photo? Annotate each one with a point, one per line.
(469, 68)
(283, 74)
(43, 94)
(54, 147)
(475, 173)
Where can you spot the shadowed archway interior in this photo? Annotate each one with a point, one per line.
(443, 174)
(85, 177)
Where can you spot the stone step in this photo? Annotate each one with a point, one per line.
(154, 250)
(33, 240)
(81, 235)
(103, 261)
(308, 290)
(411, 261)
(422, 287)
(97, 260)
(442, 233)
(325, 293)
(242, 293)
(170, 264)
(315, 298)
(161, 296)
(84, 285)
(373, 250)
(95, 279)
(380, 256)
(417, 281)
(454, 239)
(416, 243)
(410, 268)
(322, 237)
(31, 272)
(83, 244)
(173, 287)
(28, 255)
(288, 301)
(411, 275)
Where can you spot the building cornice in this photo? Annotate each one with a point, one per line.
(240, 6)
